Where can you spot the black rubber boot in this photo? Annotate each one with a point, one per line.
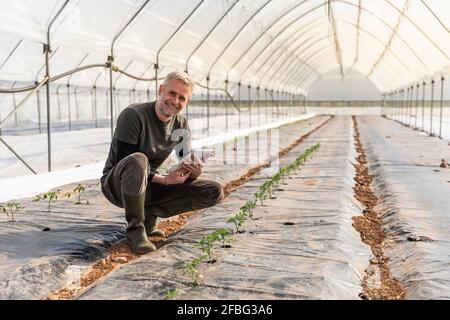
(136, 235)
(150, 226)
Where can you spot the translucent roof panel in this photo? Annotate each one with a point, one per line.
(284, 45)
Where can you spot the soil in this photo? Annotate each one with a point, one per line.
(120, 253)
(378, 283)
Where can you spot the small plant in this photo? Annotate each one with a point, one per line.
(78, 191)
(51, 196)
(248, 208)
(238, 221)
(206, 244)
(172, 293)
(224, 235)
(12, 208)
(260, 196)
(190, 269)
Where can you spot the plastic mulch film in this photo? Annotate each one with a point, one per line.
(300, 245)
(35, 263)
(413, 190)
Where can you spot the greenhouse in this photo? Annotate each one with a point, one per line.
(322, 130)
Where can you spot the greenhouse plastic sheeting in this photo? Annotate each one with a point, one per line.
(415, 202)
(34, 263)
(318, 256)
(283, 45)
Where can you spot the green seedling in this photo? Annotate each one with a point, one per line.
(78, 191)
(238, 221)
(12, 208)
(259, 196)
(206, 244)
(190, 269)
(172, 293)
(224, 235)
(49, 196)
(248, 208)
(266, 188)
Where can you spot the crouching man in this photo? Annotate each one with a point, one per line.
(144, 137)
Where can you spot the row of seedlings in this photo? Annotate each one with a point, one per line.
(14, 207)
(225, 235)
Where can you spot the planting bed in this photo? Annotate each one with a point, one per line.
(414, 204)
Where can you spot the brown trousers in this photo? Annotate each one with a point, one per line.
(130, 176)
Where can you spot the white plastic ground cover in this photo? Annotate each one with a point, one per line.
(318, 256)
(415, 202)
(284, 45)
(84, 150)
(34, 264)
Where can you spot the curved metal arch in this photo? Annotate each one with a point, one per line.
(120, 74)
(208, 34)
(390, 77)
(303, 44)
(374, 37)
(368, 32)
(308, 71)
(77, 66)
(141, 76)
(320, 62)
(298, 73)
(237, 34)
(347, 3)
(284, 74)
(274, 55)
(298, 47)
(318, 54)
(170, 38)
(293, 54)
(418, 28)
(321, 52)
(111, 59)
(300, 79)
(435, 15)
(262, 34)
(125, 26)
(297, 38)
(278, 34)
(387, 26)
(10, 54)
(388, 72)
(303, 85)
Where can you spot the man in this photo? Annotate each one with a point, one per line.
(144, 137)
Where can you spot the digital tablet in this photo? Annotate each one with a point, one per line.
(203, 155)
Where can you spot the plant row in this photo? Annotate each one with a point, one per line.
(13, 207)
(224, 236)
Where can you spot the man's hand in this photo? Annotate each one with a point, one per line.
(193, 166)
(177, 177)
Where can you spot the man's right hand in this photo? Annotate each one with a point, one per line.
(177, 177)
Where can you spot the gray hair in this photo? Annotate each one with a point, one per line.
(183, 76)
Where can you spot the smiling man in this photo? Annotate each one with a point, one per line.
(144, 137)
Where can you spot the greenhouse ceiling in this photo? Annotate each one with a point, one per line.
(284, 45)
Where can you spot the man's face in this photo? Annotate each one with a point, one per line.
(172, 98)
